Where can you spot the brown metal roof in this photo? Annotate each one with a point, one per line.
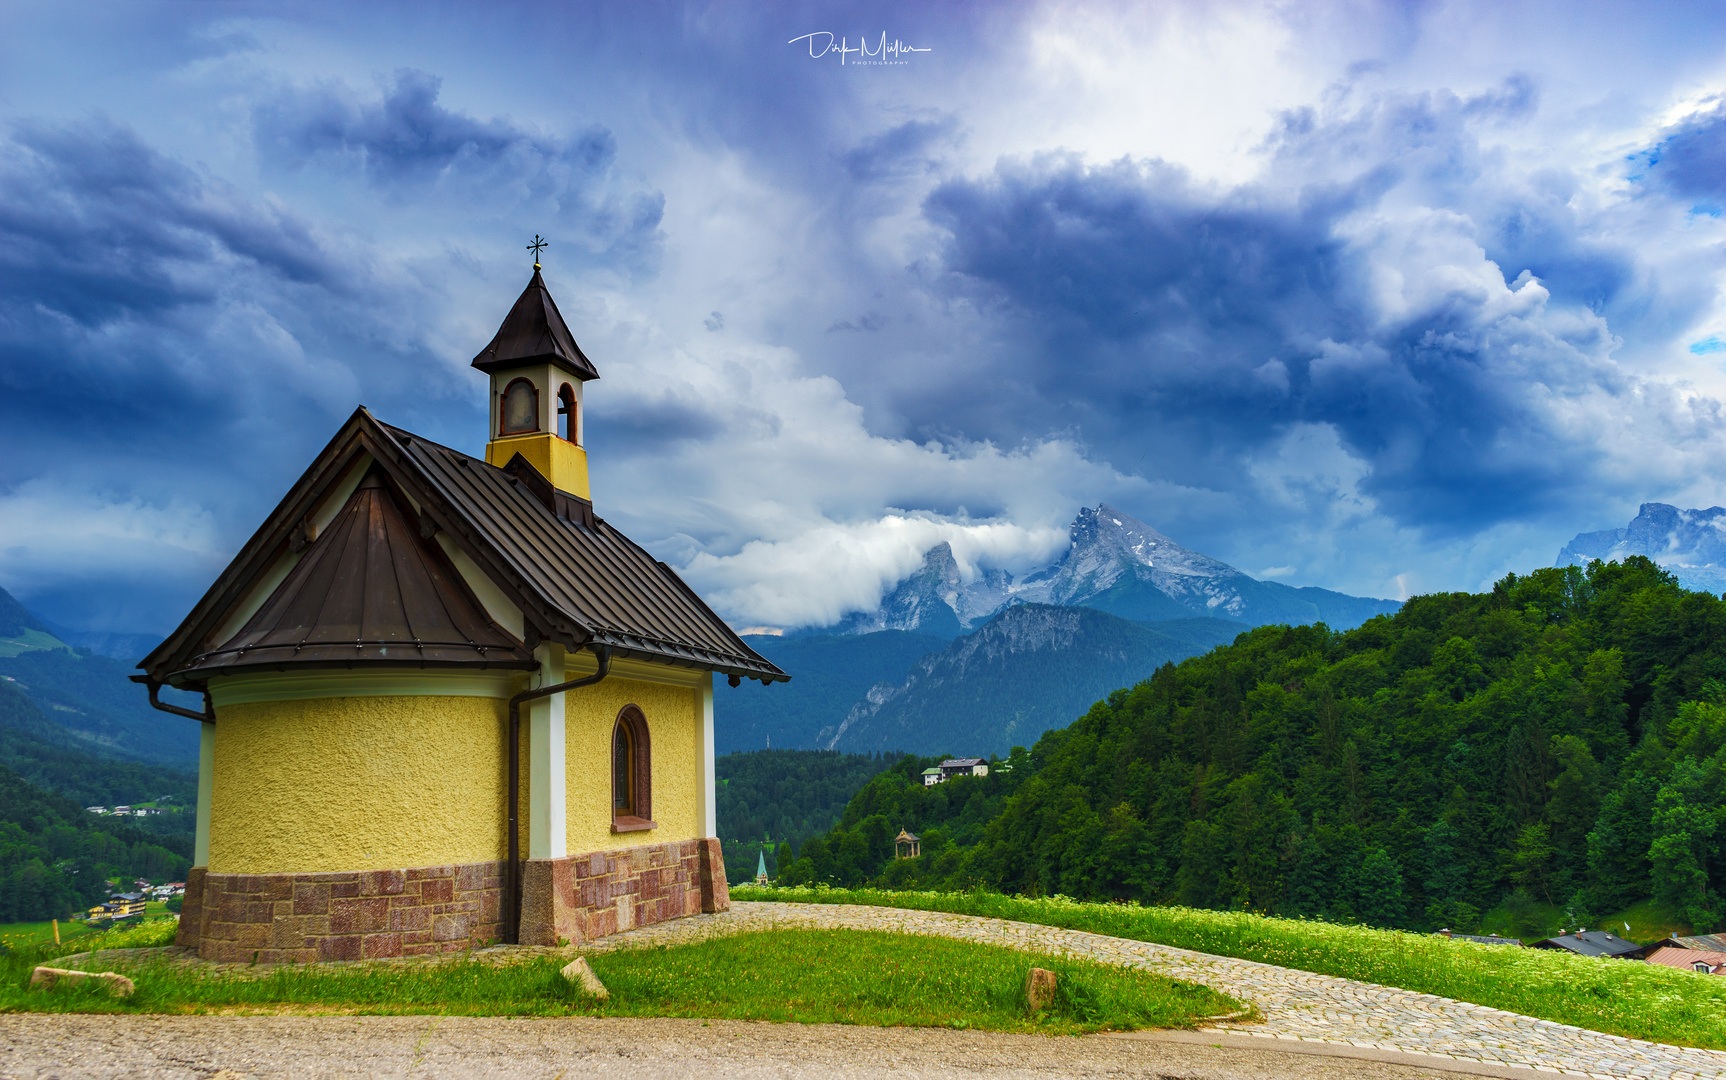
(371, 591)
(578, 584)
(534, 330)
(607, 588)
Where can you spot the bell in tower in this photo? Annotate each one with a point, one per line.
(537, 373)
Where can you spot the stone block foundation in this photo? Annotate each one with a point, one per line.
(356, 915)
(372, 914)
(581, 897)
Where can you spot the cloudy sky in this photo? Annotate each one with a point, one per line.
(1387, 298)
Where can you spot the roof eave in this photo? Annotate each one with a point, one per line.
(581, 367)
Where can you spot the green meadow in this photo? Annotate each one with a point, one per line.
(1620, 997)
(785, 976)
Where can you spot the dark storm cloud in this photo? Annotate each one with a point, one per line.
(93, 223)
(1150, 303)
(405, 143)
(100, 238)
(153, 321)
(408, 135)
(1691, 160)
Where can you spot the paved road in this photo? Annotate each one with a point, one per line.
(231, 1048)
(1296, 1005)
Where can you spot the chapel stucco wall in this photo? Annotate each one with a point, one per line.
(674, 725)
(357, 783)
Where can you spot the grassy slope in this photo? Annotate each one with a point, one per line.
(832, 976)
(1641, 1001)
(26, 640)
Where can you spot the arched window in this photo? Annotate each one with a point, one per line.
(631, 773)
(520, 408)
(566, 425)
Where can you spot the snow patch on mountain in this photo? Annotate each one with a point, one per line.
(1113, 562)
(1689, 543)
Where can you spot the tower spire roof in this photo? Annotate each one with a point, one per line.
(534, 332)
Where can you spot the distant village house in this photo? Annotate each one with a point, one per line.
(961, 766)
(1702, 961)
(1593, 943)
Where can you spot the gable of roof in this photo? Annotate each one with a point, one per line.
(577, 584)
(370, 591)
(534, 332)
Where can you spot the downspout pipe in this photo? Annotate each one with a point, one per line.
(602, 653)
(208, 716)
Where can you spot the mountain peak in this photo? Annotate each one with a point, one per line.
(1115, 563)
(1105, 515)
(1689, 543)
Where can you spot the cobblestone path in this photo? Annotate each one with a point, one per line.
(1294, 1004)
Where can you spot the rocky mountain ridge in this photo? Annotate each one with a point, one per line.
(1116, 563)
(1689, 543)
(1031, 668)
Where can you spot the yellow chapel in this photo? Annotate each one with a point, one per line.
(445, 703)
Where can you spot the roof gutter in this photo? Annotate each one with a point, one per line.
(208, 716)
(512, 870)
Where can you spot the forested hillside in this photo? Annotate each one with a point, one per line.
(55, 857)
(828, 674)
(48, 756)
(767, 798)
(1561, 738)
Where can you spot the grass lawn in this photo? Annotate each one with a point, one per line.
(29, 641)
(798, 976)
(26, 935)
(1622, 997)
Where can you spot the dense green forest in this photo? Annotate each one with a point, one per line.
(1561, 739)
(55, 858)
(766, 798)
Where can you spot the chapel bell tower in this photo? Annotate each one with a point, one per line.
(537, 373)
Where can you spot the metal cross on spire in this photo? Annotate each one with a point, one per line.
(538, 242)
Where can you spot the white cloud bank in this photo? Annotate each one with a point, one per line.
(51, 535)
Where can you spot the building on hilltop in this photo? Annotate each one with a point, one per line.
(445, 701)
(963, 766)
